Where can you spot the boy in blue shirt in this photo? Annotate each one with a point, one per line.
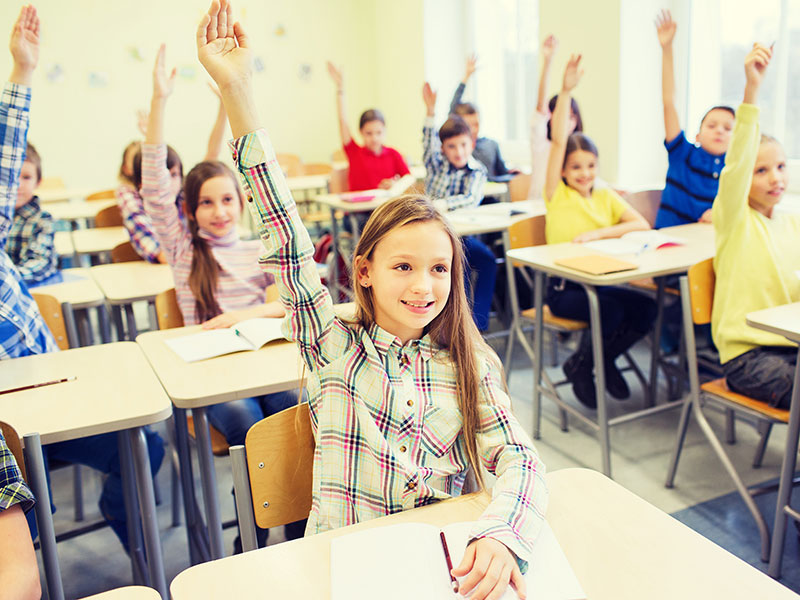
(693, 173)
(23, 332)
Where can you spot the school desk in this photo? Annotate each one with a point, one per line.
(131, 592)
(783, 320)
(491, 189)
(619, 546)
(129, 282)
(114, 390)
(62, 241)
(275, 367)
(77, 294)
(98, 241)
(77, 212)
(305, 184)
(699, 245)
(64, 194)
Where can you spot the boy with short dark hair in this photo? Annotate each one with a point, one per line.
(30, 242)
(457, 178)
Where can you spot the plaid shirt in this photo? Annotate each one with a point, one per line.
(22, 330)
(385, 416)
(138, 223)
(12, 488)
(30, 243)
(461, 188)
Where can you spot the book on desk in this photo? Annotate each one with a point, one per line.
(407, 561)
(635, 242)
(398, 187)
(250, 334)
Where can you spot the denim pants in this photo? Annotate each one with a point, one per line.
(235, 418)
(765, 373)
(101, 452)
(481, 260)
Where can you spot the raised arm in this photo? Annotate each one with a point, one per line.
(469, 70)
(559, 126)
(549, 47)
(430, 141)
(666, 27)
(217, 137)
(341, 106)
(163, 86)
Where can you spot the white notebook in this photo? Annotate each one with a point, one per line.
(635, 242)
(250, 334)
(407, 561)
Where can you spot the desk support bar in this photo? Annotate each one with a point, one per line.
(209, 479)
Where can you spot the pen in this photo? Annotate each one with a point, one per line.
(37, 385)
(453, 580)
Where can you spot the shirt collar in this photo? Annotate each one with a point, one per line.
(28, 210)
(383, 340)
(473, 164)
(229, 239)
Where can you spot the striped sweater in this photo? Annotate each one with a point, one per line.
(241, 281)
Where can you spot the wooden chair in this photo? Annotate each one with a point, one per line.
(291, 164)
(317, 169)
(697, 296)
(51, 183)
(15, 445)
(272, 472)
(110, 216)
(647, 203)
(338, 180)
(102, 195)
(124, 252)
(338, 156)
(53, 316)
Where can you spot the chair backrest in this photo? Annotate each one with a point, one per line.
(290, 163)
(339, 156)
(108, 217)
(280, 458)
(317, 168)
(51, 183)
(167, 310)
(519, 187)
(338, 180)
(53, 316)
(701, 290)
(124, 252)
(647, 203)
(102, 195)
(15, 445)
(529, 232)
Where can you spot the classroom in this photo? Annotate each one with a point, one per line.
(289, 303)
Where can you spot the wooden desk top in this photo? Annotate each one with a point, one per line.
(97, 240)
(62, 241)
(48, 195)
(633, 551)
(489, 218)
(77, 209)
(783, 320)
(82, 293)
(123, 283)
(307, 182)
(114, 389)
(274, 368)
(665, 261)
(131, 592)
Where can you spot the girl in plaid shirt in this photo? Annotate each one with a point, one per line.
(406, 398)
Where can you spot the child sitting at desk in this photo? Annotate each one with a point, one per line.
(580, 211)
(407, 397)
(758, 254)
(30, 240)
(456, 177)
(22, 330)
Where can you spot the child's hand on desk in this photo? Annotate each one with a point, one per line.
(586, 236)
(231, 318)
(489, 566)
(705, 217)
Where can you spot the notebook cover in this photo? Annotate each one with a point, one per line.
(596, 264)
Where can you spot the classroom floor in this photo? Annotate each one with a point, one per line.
(95, 562)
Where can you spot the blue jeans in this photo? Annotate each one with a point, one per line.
(234, 419)
(101, 452)
(481, 260)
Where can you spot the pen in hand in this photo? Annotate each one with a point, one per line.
(453, 580)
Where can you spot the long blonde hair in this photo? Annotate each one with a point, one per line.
(452, 329)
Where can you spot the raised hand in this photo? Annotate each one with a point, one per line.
(572, 73)
(223, 48)
(429, 96)
(163, 84)
(549, 47)
(24, 45)
(665, 27)
(755, 64)
(472, 66)
(336, 75)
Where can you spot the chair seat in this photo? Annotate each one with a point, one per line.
(719, 387)
(554, 322)
(219, 447)
(649, 285)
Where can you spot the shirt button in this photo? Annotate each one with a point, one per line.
(249, 198)
(403, 448)
(411, 485)
(716, 175)
(716, 161)
(410, 402)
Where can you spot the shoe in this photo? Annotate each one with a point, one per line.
(578, 369)
(615, 381)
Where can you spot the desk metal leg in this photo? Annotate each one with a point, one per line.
(655, 356)
(147, 506)
(599, 376)
(538, 345)
(195, 528)
(105, 324)
(132, 331)
(135, 541)
(152, 314)
(787, 474)
(208, 478)
(116, 313)
(34, 462)
(513, 303)
(69, 324)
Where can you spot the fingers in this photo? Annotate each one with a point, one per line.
(202, 28)
(241, 37)
(212, 29)
(518, 582)
(159, 66)
(466, 562)
(482, 577)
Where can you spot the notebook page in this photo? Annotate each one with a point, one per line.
(207, 344)
(260, 330)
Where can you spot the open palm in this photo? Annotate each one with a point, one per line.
(573, 72)
(665, 27)
(24, 43)
(222, 46)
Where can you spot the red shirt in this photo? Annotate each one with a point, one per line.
(367, 169)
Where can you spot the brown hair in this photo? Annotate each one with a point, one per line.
(573, 106)
(465, 108)
(32, 156)
(204, 274)
(172, 160)
(373, 114)
(718, 107)
(452, 329)
(454, 126)
(122, 176)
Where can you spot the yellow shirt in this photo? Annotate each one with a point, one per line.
(756, 256)
(570, 214)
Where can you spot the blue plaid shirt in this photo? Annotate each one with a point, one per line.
(461, 188)
(22, 330)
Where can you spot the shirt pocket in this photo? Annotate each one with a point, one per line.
(441, 427)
